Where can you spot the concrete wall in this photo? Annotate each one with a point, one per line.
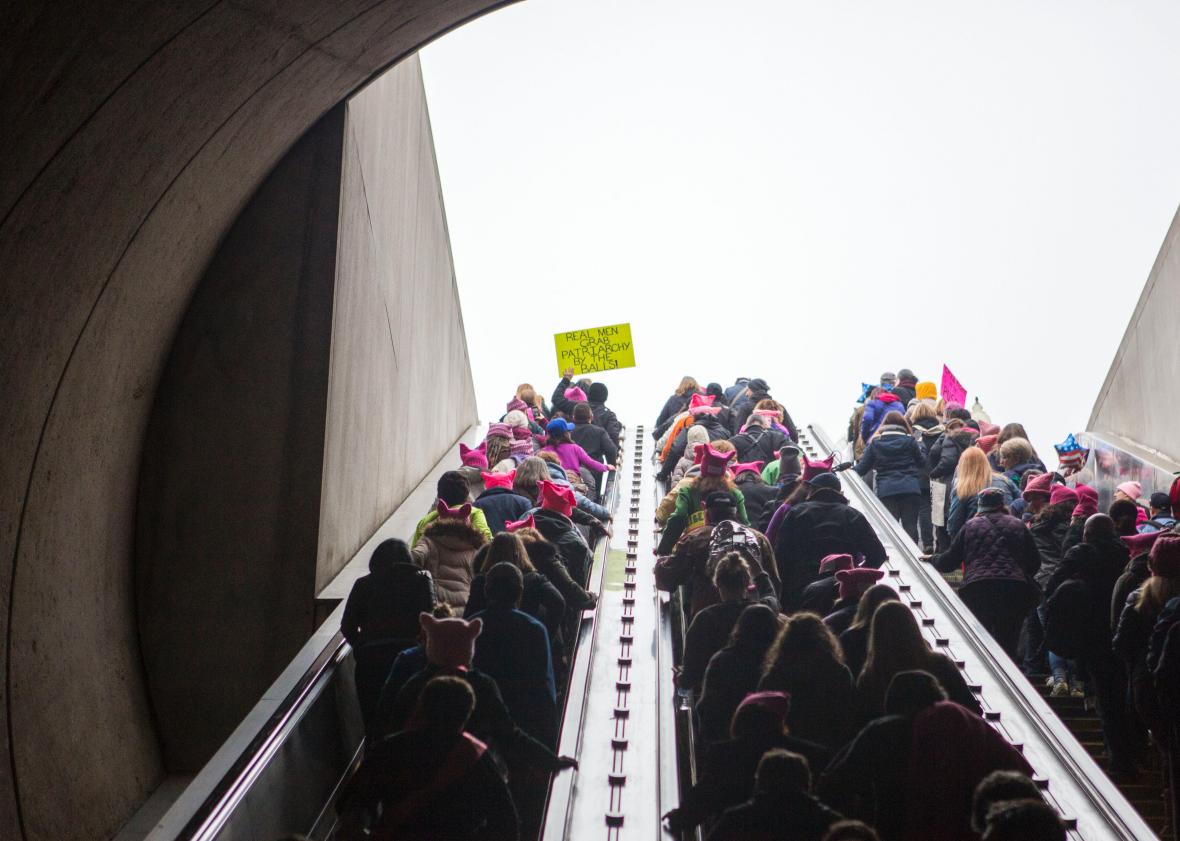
(400, 390)
(229, 491)
(1139, 402)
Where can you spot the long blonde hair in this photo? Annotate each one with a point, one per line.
(687, 386)
(973, 474)
(1154, 593)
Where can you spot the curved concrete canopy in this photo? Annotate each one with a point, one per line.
(133, 134)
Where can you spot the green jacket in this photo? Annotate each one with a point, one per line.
(478, 522)
(689, 514)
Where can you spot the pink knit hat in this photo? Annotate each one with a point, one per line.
(474, 456)
(1062, 493)
(778, 703)
(1131, 489)
(1087, 501)
(516, 525)
(987, 443)
(518, 405)
(853, 582)
(702, 404)
(831, 564)
(555, 497)
(1139, 543)
(500, 429)
(446, 512)
(989, 429)
(575, 395)
(450, 643)
(714, 463)
(521, 447)
(811, 469)
(1164, 559)
(1041, 484)
(748, 467)
(520, 433)
(498, 480)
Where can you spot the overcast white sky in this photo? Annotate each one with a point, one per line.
(811, 192)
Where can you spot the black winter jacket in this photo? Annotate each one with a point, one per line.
(732, 673)
(710, 629)
(761, 501)
(897, 457)
(823, 525)
(793, 817)
(1134, 574)
(540, 600)
(673, 406)
(819, 596)
(944, 456)
(823, 701)
(927, 431)
(575, 553)
(596, 442)
(1049, 531)
(606, 419)
(1099, 565)
(500, 506)
(545, 558)
(758, 444)
(993, 547)
(385, 605)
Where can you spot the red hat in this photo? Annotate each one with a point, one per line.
(989, 429)
(498, 480)
(714, 463)
(446, 512)
(778, 703)
(1061, 493)
(1041, 484)
(703, 404)
(853, 582)
(748, 467)
(1087, 501)
(987, 443)
(1137, 544)
(1164, 559)
(516, 525)
(1174, 495)
(834, 563)
(811, 469)
(555, 497)
(474, 456)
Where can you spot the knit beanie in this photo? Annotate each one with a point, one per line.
(714, 463)
(986, 428)
(987, 443)
(446, 512)
(521, 447)
(1142, 542)
(926, 390)
(517, 418)
(517, 405)
(575, 395)
(1164, 559)
(450, 643)
(1131, 489)
(516, 525)
(502, 430)
(778, 703)
(597, 392)
(853, 582)
(702, 404)
(831, 564)
(555, 497)
(474, 456)
(1062, 493)
(748, 467)
(697, 435)
(1042, 485)
(498, 480)
(1087, 501)
(811, 469)
(990, 499)
(822, 481)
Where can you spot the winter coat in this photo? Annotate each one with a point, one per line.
(761, 500)
(573, 457)
(732, 673)
(727, 774)
(607, 421)
(689, 515)
(841, 614)
(872, 686)
(823, 700)
(1134, 574)
(560, 402)
(673, 406)
(823, 525)
(919, 774)
(993, 547)
(961, 511)
(1132, 642)
(875, 412)
(575, 553)
(897, 457)
(545, 558)
(855, 644)
(540, 600)
(596, 442)
(501, 506)
(688, 565)
(758, 444)
(1099, 565)
(424, 788)
(513, 649)
(927, 431)
(490, 721)
(796, 816)
(943, 458)
(447, 551)
(682, 468)
(710, 630)
(1016, 474)
(716, 431)
(820, 596)
(384, 606)
(1049, 533)
(742, 413)
(904, 391)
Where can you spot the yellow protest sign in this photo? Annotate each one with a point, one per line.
(597, 349)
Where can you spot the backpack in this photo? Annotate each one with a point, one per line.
(729, 536)
(1068, 620)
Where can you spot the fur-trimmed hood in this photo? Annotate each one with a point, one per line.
(455, 535)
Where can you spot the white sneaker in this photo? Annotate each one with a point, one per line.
(1060, 689)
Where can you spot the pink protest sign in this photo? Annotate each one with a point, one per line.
(952, 390)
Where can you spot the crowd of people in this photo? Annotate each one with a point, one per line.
(816, 697)
(462, 634)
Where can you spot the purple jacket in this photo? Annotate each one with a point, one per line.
(572, 457)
